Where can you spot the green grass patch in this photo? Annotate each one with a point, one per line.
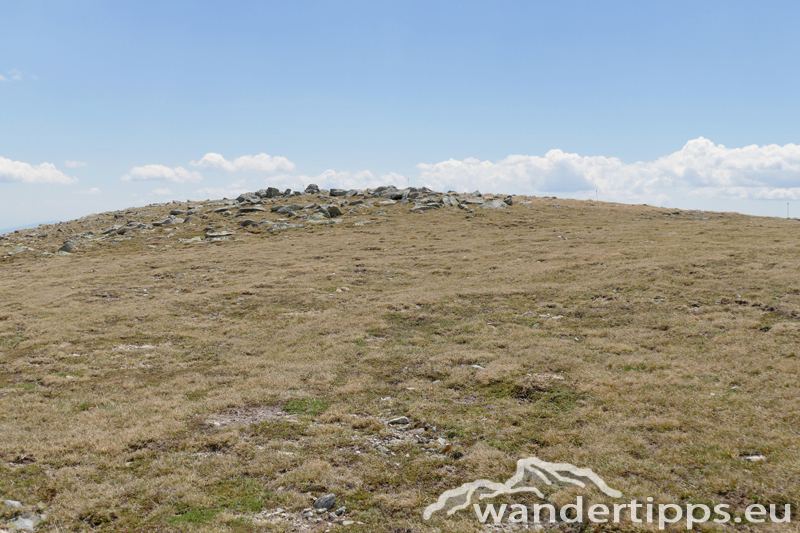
(12, 342)
(306, 406)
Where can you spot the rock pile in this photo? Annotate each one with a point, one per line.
(252, 212)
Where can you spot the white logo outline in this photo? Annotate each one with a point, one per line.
(533, 465)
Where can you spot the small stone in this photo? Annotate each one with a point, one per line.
(325, 502)
(13, 503)
(754, 458)
(340, 511)
(68, 247)
(338, 192)
(399, 421)
(348, 523)
(224, 233)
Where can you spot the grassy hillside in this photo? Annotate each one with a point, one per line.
(150, 382)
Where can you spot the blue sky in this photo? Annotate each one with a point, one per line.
(682, 104)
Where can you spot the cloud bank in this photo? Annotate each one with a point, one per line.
(255, 163)
(702, 167)
(163, 173)
(27, 173)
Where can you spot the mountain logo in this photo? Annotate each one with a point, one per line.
(529, 472)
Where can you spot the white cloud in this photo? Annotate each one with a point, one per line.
(93, 190)
(27, 173)
(754, 172)
(74, 164)
(256, 163)
(161, 192)
(229, 191)
(363, 179)
(15, 75)
(161, 172)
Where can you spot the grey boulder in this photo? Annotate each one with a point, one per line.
(493, 204)
(325, 502)
(334, 211)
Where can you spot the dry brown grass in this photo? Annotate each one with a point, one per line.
(660, 350)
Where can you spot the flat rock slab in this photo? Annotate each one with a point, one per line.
(494, 204)
(275, 227)
(251, 209)
(211, 234)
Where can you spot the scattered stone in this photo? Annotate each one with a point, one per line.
(68, 247)
(399, 421)
(508, 200)
(754, 458)
(334, 211)
(247, 222)
(338, 192)
(312, 189)
(13, 503)
(340, 511)
(325, 502)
